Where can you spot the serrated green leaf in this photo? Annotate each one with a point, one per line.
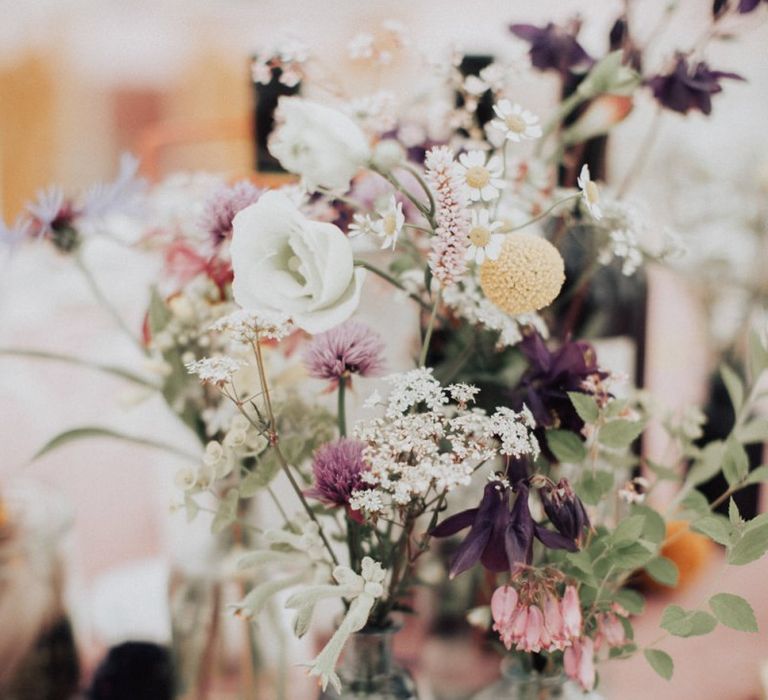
(734, 386)
(663, 571)
(632, 601)
(592, 487)
(654, 529)
(758, 475)
(630, 556)
(660, 661)
(629, 529)
(687, 623)
(733, 611)
(752, 544)
(758, 356)
(696, 502)
(619, 433)
(90, 432)
(716, 527)
(585, 405)
(753, 431)
(708, 464)
(735, 461)
(733, 512)
(566, 446)
(80, 362)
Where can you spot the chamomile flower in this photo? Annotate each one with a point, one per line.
(483, 242)
(589, 192)
(483, 179)
(390, 224)
(517, 124)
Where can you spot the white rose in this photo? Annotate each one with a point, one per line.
(319, 143)
(284, 262)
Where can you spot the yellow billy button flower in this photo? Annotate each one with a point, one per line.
(527, 275)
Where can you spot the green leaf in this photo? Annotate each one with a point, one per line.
(629, 529)
(226, 513)
(654, 529)
(91, 432)
(661, 471)
(733, 513)
(566, 446)
(619, 433)
(690, 623)
(733, 611)
(585, 405)
(260, 476)
(592, 487)
(660, 661)
(753, 431)
(630, 556)
(696, 502)
(734, 386)
(632, 601)
(708, 463)
(735, 461)
(716, 527)
(758, 475)
(663, 570)
(191, 507)
(758, 356)
(80, 362)
(752, 544)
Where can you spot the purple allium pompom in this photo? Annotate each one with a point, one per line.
(351, 348)
(222, 206)
(337, 467)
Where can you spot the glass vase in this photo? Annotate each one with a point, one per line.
(517, 683)
(368, 670)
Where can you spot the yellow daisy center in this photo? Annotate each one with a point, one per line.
(389, 224)
(477, 177)
(593, 194)
(515, 123)
(480, 236)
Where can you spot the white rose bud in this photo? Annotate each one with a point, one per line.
(286, 263)
(388, 154)
(320, 143)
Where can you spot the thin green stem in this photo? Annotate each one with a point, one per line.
(424, 186)
(342, 412)
(546, 212)
(428, 333)
(393, 281)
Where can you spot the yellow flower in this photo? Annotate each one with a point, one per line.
(527, 275)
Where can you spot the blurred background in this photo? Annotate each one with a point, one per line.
(83, 81)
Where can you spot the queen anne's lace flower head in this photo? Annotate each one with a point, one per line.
(215, 370)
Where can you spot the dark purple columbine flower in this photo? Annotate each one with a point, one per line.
(552, 374)
(552, 47)
(351, 348)
(565, 510)
(223, 205)
(747, 6)
(337, 468)
(499, 539)
(689, 88)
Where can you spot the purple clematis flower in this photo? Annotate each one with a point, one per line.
(552, 47)
(499, 539)
(689, 88)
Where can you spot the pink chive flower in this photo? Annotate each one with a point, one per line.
(447, 260)
(337, 468)
(579, 662)
(571, 608)
(351, 348)
(221, 207)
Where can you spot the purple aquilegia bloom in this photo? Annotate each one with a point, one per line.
(337, 468)
(223, 205)
(565, 510)
(747, 6)
(689, 88)
(552, 47)
(351, 348)
(499, 538)
(552, 374)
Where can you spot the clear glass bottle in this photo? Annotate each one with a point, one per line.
(368, 670)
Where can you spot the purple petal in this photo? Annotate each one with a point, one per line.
(518, 538)
(450, 526)
(554, 540)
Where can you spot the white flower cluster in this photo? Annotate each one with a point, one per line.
(217, 370)
(623, 245)
(245, 325)
(469, 302)
(414, 455)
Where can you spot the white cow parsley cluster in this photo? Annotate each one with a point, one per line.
(244, 325)
(412, 456)
(217, 370)
(469, 302)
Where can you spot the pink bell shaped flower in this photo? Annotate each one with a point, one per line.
(571, 608)
(579, 663)
(610, 630)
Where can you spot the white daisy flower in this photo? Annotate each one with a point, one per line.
(516, 123)
(483, 179)
(484, 243)
(390, 224)
(589, 192)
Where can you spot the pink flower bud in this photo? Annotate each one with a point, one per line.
(571, 608)
(612, 629)
(503, 604)
(579, 662)
(553, 622)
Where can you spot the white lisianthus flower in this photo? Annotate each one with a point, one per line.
(285, 263)
(320, 143)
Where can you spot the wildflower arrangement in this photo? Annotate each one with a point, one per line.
(472, 223)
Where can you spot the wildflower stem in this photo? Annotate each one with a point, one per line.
(546, 212)
(105, 303)
(393, 281)
(424, 186)
(428, 333)
(342, 413)
(641, 157)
